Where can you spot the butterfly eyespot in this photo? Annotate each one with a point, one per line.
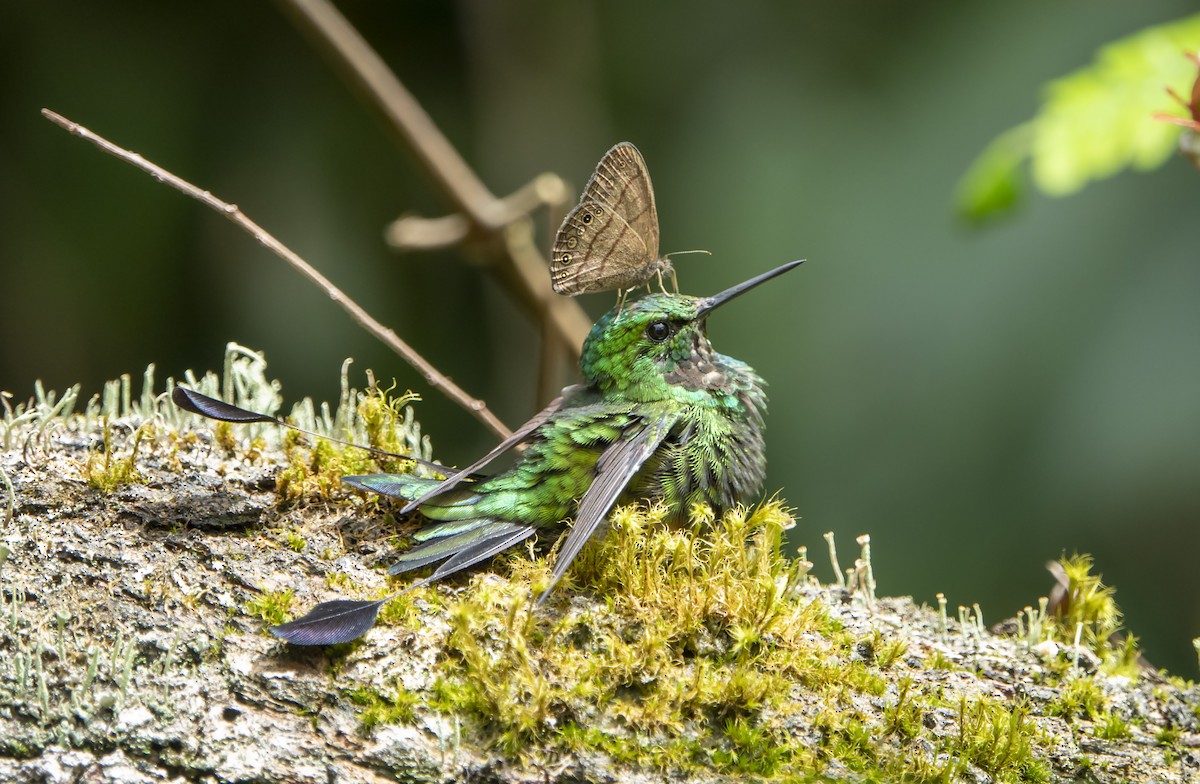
(572, 242)
(658, 331)
(587, 217)
(565, 258)
(597, 212)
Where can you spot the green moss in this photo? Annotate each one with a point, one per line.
(701, 652)
(274, 607)
(295, 541)
(750, 749)
(312, 469)
(225, 436)
(1112, 727)
(109, 473)
(1084, 767)
(1078, 697)
(379, 709)
(15, 749)
(408, 608)
(998, 739)
(316, 468)
(847, 738)
(382, 415)
(687, 643)
(342, 583)
(903, 717)
(1167, 736)
(1090, 610)
(888, 652)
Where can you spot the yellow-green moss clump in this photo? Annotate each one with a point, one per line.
(271, 606)
(107, 472)
(680, 652)
(690, 650)
(317, 468)
(1086, 609)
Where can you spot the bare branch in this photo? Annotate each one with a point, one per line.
(369, 72)
(523, 268)
(477, 407)
(414, 232)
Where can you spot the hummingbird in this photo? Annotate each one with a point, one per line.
(660, 416)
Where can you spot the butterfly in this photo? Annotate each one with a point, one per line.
(610, 240)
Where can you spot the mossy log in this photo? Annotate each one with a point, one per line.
(136, 586)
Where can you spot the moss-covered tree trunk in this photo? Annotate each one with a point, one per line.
(133, 605)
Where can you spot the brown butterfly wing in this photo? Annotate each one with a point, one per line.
(609, 241)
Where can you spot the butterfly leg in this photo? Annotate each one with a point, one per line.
(621, 295)
(674, 280)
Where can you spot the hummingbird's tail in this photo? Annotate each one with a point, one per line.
(462, 538)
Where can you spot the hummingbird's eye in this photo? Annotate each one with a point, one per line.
(658, 331)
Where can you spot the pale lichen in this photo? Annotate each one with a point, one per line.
(680, 652)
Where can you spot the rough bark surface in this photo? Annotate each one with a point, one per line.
(127, 652)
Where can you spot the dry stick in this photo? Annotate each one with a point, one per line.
(439, 158)
(415, 232)
(231, 211)
(526, 272)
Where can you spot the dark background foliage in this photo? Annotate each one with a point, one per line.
(979, 401)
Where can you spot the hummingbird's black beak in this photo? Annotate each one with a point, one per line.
(709, 303)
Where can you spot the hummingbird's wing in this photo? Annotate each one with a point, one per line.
(522, 433)
(480, 541)
(343, 620)
(615, 467)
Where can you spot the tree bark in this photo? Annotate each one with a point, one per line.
(129, 651)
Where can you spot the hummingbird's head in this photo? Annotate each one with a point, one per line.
(631, 350)
(657, 346)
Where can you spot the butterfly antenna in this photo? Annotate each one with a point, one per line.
(674, 277)
(685, 252)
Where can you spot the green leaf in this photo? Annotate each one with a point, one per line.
(993, 185)
(1092, 123)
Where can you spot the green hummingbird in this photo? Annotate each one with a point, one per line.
(660, 416)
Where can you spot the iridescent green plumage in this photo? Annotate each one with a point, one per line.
(661, 416)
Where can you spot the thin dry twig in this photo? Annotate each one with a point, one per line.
(415, 232)
(436, 379)
(441, 161)
(481, 215)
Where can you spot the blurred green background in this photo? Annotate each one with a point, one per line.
(978, 401)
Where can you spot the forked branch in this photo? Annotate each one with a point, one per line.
(503, 223)
(435, 378)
